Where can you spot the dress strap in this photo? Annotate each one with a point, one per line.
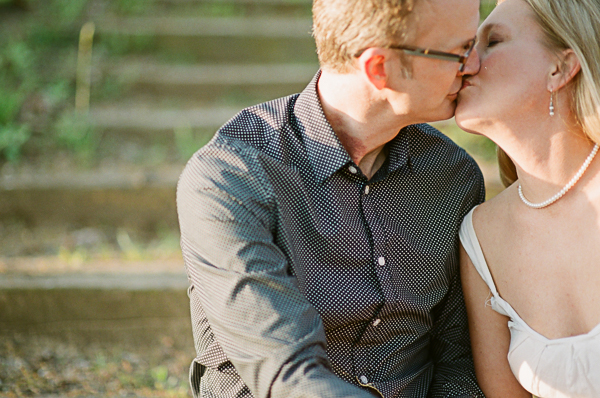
(471, 244)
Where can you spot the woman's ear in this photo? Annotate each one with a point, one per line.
(565, 69)
(373, 65)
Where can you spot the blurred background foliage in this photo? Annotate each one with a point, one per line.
(38, 52)
(37, 64)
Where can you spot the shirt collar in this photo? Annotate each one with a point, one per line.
(399, 153)
(325, 151)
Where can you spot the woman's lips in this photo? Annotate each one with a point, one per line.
(465, 84)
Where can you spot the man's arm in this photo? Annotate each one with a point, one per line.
(265, 326)
(450, 345)
(451, 348)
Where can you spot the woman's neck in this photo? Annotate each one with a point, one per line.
(546, 157)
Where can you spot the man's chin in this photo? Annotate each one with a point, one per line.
(446, 113)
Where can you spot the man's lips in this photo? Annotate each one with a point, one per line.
(465, 83)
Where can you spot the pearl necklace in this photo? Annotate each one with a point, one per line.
(566, 188)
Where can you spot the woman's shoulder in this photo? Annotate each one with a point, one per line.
(492, 214)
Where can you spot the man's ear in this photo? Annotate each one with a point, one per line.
(565, 69)
(373, 65)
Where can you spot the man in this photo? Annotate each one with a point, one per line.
(319, 230)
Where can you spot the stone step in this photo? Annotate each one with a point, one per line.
(210, 40)
(142, 119)
(228, 7)
(129, 198)
(182, 85)
(275, 3)
(199, 75)
(100, 300)
(96, 281)
(265, 2)
(291, 28)
(137, 131)
(85, 314)
(130, 317)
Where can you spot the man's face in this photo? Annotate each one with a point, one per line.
(430, 93)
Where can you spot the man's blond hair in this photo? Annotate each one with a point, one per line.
(342, 28)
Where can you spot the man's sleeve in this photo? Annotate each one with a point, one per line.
(451, 349)
(451, 346)
(265, 326)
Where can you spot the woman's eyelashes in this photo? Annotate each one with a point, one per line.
(492, 41)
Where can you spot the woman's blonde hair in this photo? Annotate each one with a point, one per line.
(575, 25)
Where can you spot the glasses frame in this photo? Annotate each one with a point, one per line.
(429, 53)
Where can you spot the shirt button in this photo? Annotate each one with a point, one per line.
(352, 170)
(367, 189)
(381, 261)
(376, 322)
(363, 379)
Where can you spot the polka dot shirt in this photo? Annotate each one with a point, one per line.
(308, 279)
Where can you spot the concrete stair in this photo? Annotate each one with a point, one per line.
(129, 303)
(137, 199)
(183, 68)
(199, 85)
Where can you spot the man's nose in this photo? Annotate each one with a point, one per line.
(473, 64)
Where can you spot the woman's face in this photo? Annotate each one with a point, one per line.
(512, 82)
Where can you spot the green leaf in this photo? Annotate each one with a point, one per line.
(12, 138)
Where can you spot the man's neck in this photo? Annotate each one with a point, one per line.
(362, 120)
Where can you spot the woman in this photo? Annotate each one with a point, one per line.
(530, 259)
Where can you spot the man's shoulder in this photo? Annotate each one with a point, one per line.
(238, 145)
(251, 132)
(426, 138)
(449, 167)
(257, 125)
(431, 145)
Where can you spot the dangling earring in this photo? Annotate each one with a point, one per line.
(551, 103)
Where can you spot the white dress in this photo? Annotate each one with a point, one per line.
(549, 368)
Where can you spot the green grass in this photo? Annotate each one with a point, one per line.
(33, 366)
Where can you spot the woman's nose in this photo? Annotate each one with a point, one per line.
(473, 63)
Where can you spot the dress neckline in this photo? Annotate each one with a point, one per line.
(513, 313)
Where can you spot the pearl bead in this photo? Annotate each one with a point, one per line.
(566, 188)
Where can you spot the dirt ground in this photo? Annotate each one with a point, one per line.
(42, 365)
(33, 366)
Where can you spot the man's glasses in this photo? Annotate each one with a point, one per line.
(426, 52)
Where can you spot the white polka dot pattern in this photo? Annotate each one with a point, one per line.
(307, 279)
